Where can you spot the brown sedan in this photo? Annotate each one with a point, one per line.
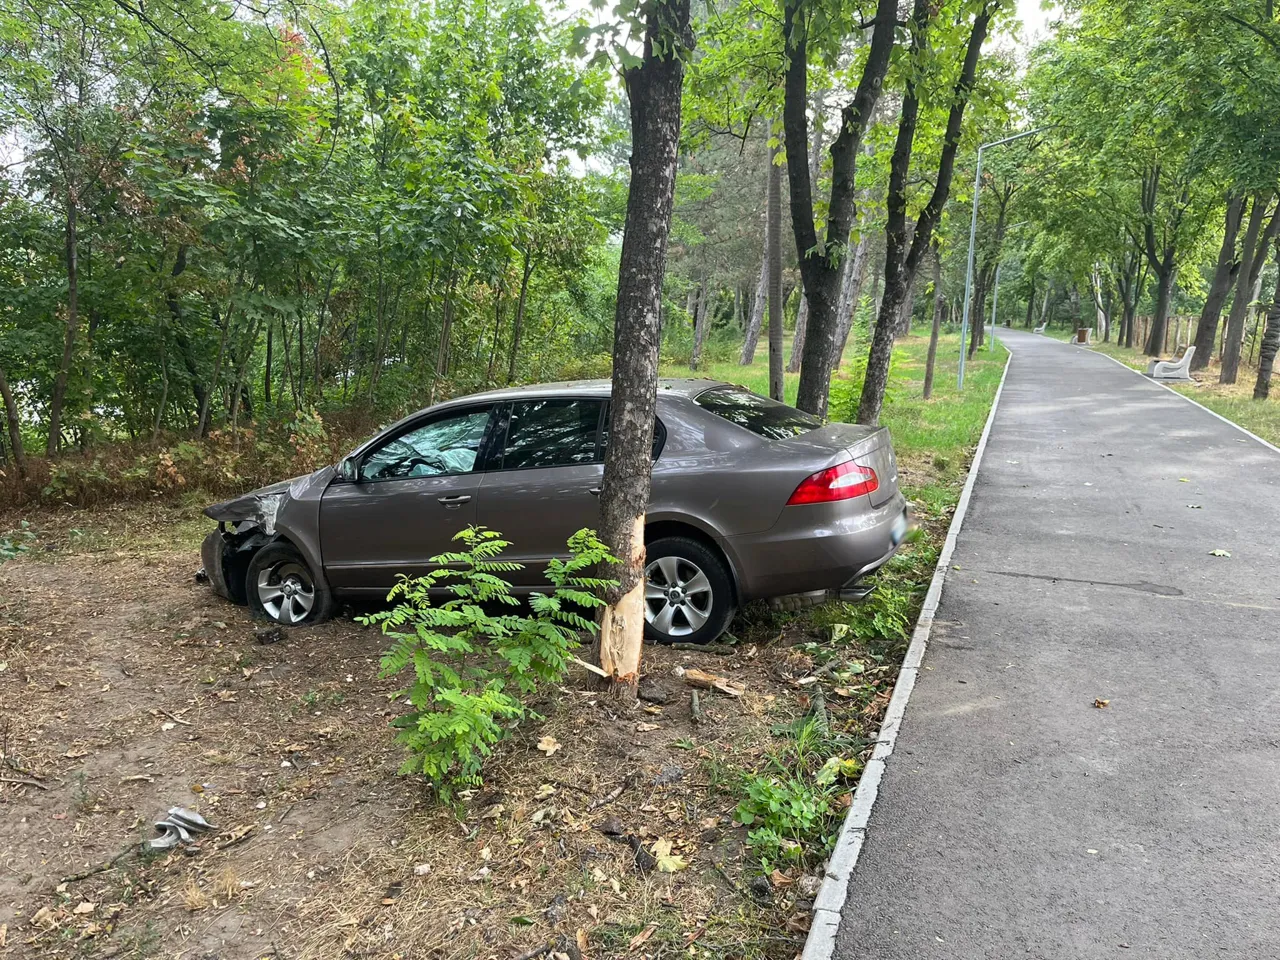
(751, 499)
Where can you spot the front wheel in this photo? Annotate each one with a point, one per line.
(688, 596)
(281, 587)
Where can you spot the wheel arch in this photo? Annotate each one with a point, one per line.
(655, 529)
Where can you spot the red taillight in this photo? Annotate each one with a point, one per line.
(844, 481)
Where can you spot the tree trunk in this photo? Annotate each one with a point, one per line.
(797, 342)
(72, 327)
(15, 427)
(654, 90)
(1224, 274)
(266, 370)
(1160, 322)
(938, 302)
(1270, 341)
(901, 260)
(773, 228)
(908, 308)
(821, 259)
(699, 325)
(525, 273)
(851, 292)
(757, 309)
(1253, 254)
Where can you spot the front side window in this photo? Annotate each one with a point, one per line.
(552, 433)
(444, 446)
(762, 416)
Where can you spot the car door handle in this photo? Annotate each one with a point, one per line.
(594, 491)
(455, 500)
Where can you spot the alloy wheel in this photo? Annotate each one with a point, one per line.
(677, 596)
(286, 592)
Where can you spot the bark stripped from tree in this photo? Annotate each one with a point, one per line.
(654, 89)
(821, 259)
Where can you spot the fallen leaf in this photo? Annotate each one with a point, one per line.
(493, 813)
(638, 940)
(1100, 703)
(84, 907)
(548, 745)
(44, 919)
(545, 791)
(486, 853)
(481, 874)
(645, 727)
(421, 869)
(226, 696)
(780, 879)
(581, 937)
(75, 753)
(167, 725)
(1220, 553)
(668, 862)
(1183, 480)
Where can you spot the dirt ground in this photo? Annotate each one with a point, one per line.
(127, 688)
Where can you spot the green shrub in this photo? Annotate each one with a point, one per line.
(472, 665)
(16, 542)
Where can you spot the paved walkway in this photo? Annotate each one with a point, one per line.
(1015, 819)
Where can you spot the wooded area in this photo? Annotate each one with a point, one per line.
(310, 217)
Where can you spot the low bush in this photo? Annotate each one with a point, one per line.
(473, 666)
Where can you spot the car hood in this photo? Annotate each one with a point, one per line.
(262, 505)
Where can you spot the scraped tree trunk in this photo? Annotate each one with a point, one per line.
(1253, 254)
(1224, 274)
(1270, 341)
(654, 89)
(939, 301)
(774, 230)
(851, 292)
(15, 427)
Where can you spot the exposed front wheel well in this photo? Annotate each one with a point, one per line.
(657, 529)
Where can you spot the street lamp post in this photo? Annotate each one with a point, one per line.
(973, 235)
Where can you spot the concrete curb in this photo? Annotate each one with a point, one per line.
(821, 942)
(1179, 393)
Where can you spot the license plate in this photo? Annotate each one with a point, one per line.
(899, 528)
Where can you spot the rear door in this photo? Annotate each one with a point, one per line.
(543, 481)
(414, 491)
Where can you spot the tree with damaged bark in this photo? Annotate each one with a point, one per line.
(654, 87)
(902, 256)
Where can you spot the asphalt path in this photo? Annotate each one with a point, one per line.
(1016, 818)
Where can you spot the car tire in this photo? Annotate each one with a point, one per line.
(688, 592)
(281, 587)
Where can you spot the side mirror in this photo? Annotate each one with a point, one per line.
(348, 470)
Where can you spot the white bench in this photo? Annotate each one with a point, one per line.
(1040, 329)
(1172, 370)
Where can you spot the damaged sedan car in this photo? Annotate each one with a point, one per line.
(751, 499)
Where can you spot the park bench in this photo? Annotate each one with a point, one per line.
(1040, 329)
(1084, 335)
(1170, 369)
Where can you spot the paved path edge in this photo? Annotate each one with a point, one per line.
(821, 942)
(1178, 393)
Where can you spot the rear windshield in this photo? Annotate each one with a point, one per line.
(762, 416)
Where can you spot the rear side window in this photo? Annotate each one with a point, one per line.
(762, 416)
(552, 433)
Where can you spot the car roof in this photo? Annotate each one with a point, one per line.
(687, 387)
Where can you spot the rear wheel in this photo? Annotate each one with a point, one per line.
(688, 596)
(281, 587)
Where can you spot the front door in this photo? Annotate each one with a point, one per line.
(543, 485)
(413, 492)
